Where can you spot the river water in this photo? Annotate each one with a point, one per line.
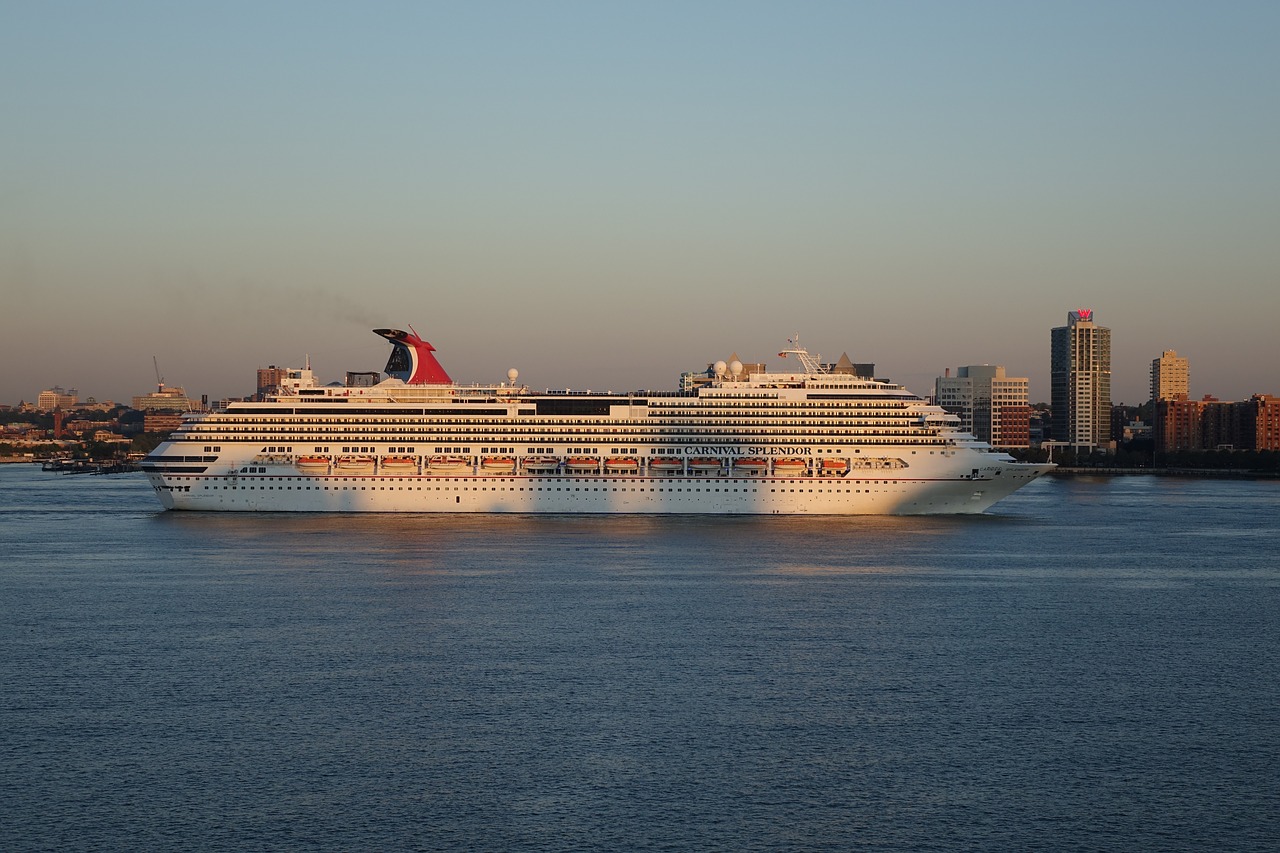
(1095, 665)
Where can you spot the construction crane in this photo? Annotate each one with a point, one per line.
(159, 378)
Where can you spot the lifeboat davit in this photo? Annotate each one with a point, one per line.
(666, 465)
(750, 465)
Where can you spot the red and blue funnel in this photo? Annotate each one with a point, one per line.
(411, 359)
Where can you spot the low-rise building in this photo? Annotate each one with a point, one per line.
(57, 398)
(158, 421)
(1213, 424)
(1260, 422)
(991, 405)
(172, 399)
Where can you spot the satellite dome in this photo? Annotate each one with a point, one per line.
(512, 374)
(720, 368)
(735, 367)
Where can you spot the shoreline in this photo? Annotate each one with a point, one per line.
(1216, 473)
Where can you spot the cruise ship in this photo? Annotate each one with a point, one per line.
(808, 440)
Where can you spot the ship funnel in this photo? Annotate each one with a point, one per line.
(411, 360)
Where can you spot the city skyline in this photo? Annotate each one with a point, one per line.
(171, 387)
(605, 197)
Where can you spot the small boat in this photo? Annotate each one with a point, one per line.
(445, 464)
(540, 464)
(354, 465)
(498, 464)
(582, 464)
(622, 464)
(704, 465)
(399, 464)
(666, 465)
(312, 464)
(790, 467)
(835, 466)
(750, 465)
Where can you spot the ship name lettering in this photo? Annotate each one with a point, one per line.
(749, 450)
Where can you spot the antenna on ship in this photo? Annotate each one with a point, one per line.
(810, 363)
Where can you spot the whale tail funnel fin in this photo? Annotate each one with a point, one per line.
(411, 359)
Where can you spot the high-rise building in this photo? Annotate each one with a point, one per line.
(1170, 377)
(1080, 380)
(992, 406)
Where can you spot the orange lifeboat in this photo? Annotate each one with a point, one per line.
(750, 465)
(622, 464)
(446, 464)
(498, 464)
(354, 464)
(399, 464)
(541, 464)
(704, 465)
(790, 467)
(582, 464)
(666, 465)
(835, 466)
(312, 464)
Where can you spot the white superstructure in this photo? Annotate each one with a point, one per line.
(807, 441)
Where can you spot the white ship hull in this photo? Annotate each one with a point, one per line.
(286, 491)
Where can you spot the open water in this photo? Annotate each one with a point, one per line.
(1093, 666)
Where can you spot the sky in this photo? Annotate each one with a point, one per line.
(603, 195)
